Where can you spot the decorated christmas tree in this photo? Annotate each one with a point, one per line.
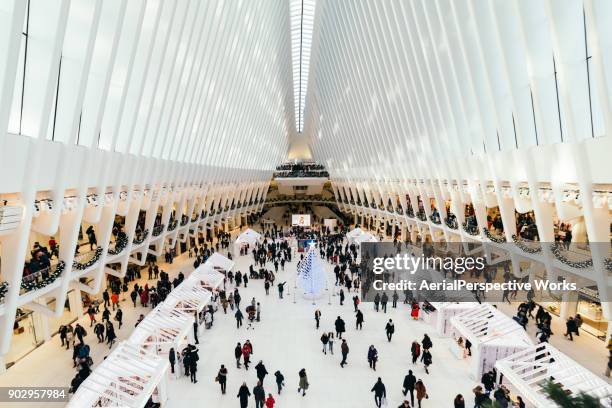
(311, 274)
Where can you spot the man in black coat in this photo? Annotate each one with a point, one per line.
(340, 327)
(261, 371)
(390, 329)
(260, 395)
(238, 354)
(408, 385)
(244, 394)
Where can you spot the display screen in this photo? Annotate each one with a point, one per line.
(300, 220)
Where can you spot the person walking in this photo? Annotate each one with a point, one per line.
(193, 366)
(303, 385)
(390, 329)
(239, 316)
(260, 368)
(244, 394)
(427, 344)
(379, 392)
(258, 392)
(383, 302)
(358, 320)
(415, 349)
(99, 331)
(270, 401)
(426, 359)
(376, 301)
(372, 357)
(110, 334)
(394, 299)
(341, 297)
(119, 315)
(92, 315)
(238, 354)
(355, 302)
(408, 385)
(421, 392)
(340, 327)
(281, 288)
(344, 348)
(222, 378)
(280, 380)
(317, 318)
(172, 359)
(324, 340)
(246, 354)
(330, 343)
(459, 402)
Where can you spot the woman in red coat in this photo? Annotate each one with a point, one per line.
(415, 311)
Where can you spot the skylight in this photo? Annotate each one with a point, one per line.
(302, 19)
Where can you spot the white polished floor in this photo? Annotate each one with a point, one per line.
(286, 340)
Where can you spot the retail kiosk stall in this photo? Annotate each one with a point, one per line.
(440, 316)
(530, 369)
(246, 239)
(354, 234)
(137, 369)
(493, 335)
(129, 377)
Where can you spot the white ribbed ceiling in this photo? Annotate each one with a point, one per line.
(196, 81)
(415, 88)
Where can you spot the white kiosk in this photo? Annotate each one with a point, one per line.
(136, 370)
(441, 316)
(354, 234)
(128, 377)
(248, 238)
(529, 369)
(493, 335)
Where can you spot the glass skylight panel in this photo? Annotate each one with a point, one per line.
(302, 20)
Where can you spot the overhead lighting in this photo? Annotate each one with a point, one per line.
(302, 21)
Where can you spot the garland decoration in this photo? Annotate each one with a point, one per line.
(142, 238)
(158, 229)
(120, 244)
(35, 284)
(470, 229)
(519, 243)
(81, 266)
(493, 238)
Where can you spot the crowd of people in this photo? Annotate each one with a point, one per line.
(269, 260)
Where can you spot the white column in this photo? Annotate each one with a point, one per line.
(76, 303)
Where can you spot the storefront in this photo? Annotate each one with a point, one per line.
(589, 308)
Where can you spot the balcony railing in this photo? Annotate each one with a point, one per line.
(499, 239)
(42, 278)
(451, 222)
(120, 245)
(435, 220)
(470, 228)
(140, 237)
(421, 216)
(530, 247)
(92, 258)
(172, 225)
(158, 229)
(3, 290)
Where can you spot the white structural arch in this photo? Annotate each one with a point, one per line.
(529, 369)
(493, 335)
